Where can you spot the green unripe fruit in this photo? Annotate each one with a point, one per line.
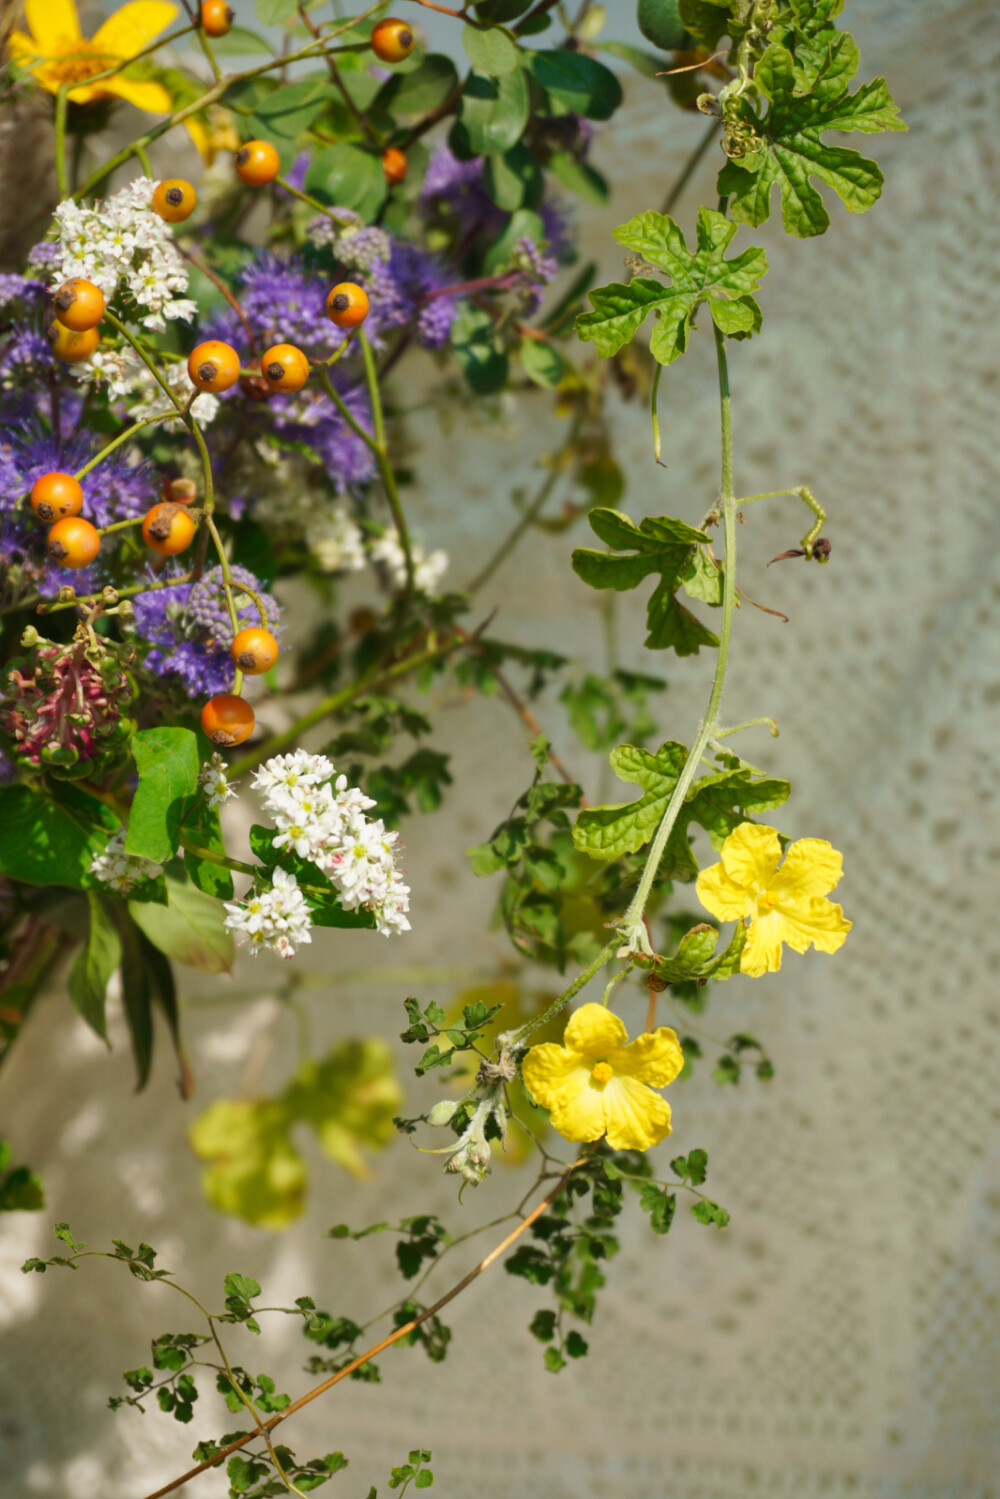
(660, 23)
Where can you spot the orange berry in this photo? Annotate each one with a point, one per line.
(70, 347)
(174, 200)
(214, 366)
(347, 305)
(285, 368)
(179, 491)
(55, 495)
(73, 542)
(168, 529)
(392, 40)
(216, 17)
(254, 651)
(79, 305)
(227, 720)
(257, 163)
(394, 165)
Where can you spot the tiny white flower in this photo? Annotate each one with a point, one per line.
(215, 781)
(119, 870)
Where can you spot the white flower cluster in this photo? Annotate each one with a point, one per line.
(336, 541)
(320, 818)
(277, 918)
(123, 240)
(148, 398)
(121, 870)
(428, 570)
(215, 781)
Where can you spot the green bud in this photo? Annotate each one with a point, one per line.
(443, 1112)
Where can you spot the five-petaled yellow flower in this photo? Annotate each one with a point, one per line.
(598, 1083)
(55, 53)
(783, 905)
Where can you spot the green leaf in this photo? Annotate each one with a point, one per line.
(646, 63)
(576, 83)
(514, 179)
(189, 928)
(620, 309)
(708, 21)
(541, 362)
(661, 545)
(786, 148)
(659, 1204)
(491, 50)
(660, 23)
(701, 578)
(293, 107)
(92, 968)
(137, 996)
(239, 42)
(474, 340)
(579, 177)
(610, 832)
(276, 12)
(718, 802)
(499, 12)
(21, 1190)
(425, 89)
(51, 838)
(203, 827)
(710, 1212)
(167, 762)
(493, 112)
(523, 223)
(348, 176)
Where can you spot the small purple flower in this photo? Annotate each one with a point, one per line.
(45, 256)
(118, 489)
(190, 631)
(19, 288)
(404, 285)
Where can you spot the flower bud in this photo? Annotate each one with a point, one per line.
(443, 1112)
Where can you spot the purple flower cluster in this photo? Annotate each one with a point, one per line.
(405, 290)
(118, 489)
(456, 189)
(190, 632)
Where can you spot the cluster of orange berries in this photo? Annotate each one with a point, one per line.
(73, 542)
(215, 366)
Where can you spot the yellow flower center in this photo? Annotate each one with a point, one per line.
(79, 61)
(602, 1072)
(766, 903)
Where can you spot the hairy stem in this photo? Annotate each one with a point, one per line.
(634, 933)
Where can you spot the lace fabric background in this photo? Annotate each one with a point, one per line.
(841, 1338)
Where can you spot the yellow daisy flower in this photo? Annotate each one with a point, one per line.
(597, 1083)
(55, 53)
(782, 905)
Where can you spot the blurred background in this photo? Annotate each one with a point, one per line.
(841, 1338)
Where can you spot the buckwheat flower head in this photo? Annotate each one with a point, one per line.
(336, 541)
(285, 772)
(214, 779)
(786, 904)
(119, 870)
(123, 245)
(428, 570)
(598, 1083)
(148, 398)
(277, 919)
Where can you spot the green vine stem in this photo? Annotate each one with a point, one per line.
(634, 937)
(805, 494)
(62, 102)
(381, 450)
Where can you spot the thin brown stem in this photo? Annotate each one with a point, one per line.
(380, 1347)
(217, 281)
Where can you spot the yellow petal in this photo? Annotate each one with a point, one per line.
(655, 1058)
(133, 26)
(637, 1118)
(199, 135)
(152, 97)
(816, 920)
(722, 896)
(762, 953)
(750, 856)
(52, 21)
(594, 1031)
(557, 1080)
(21, 47)
(812, 867)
